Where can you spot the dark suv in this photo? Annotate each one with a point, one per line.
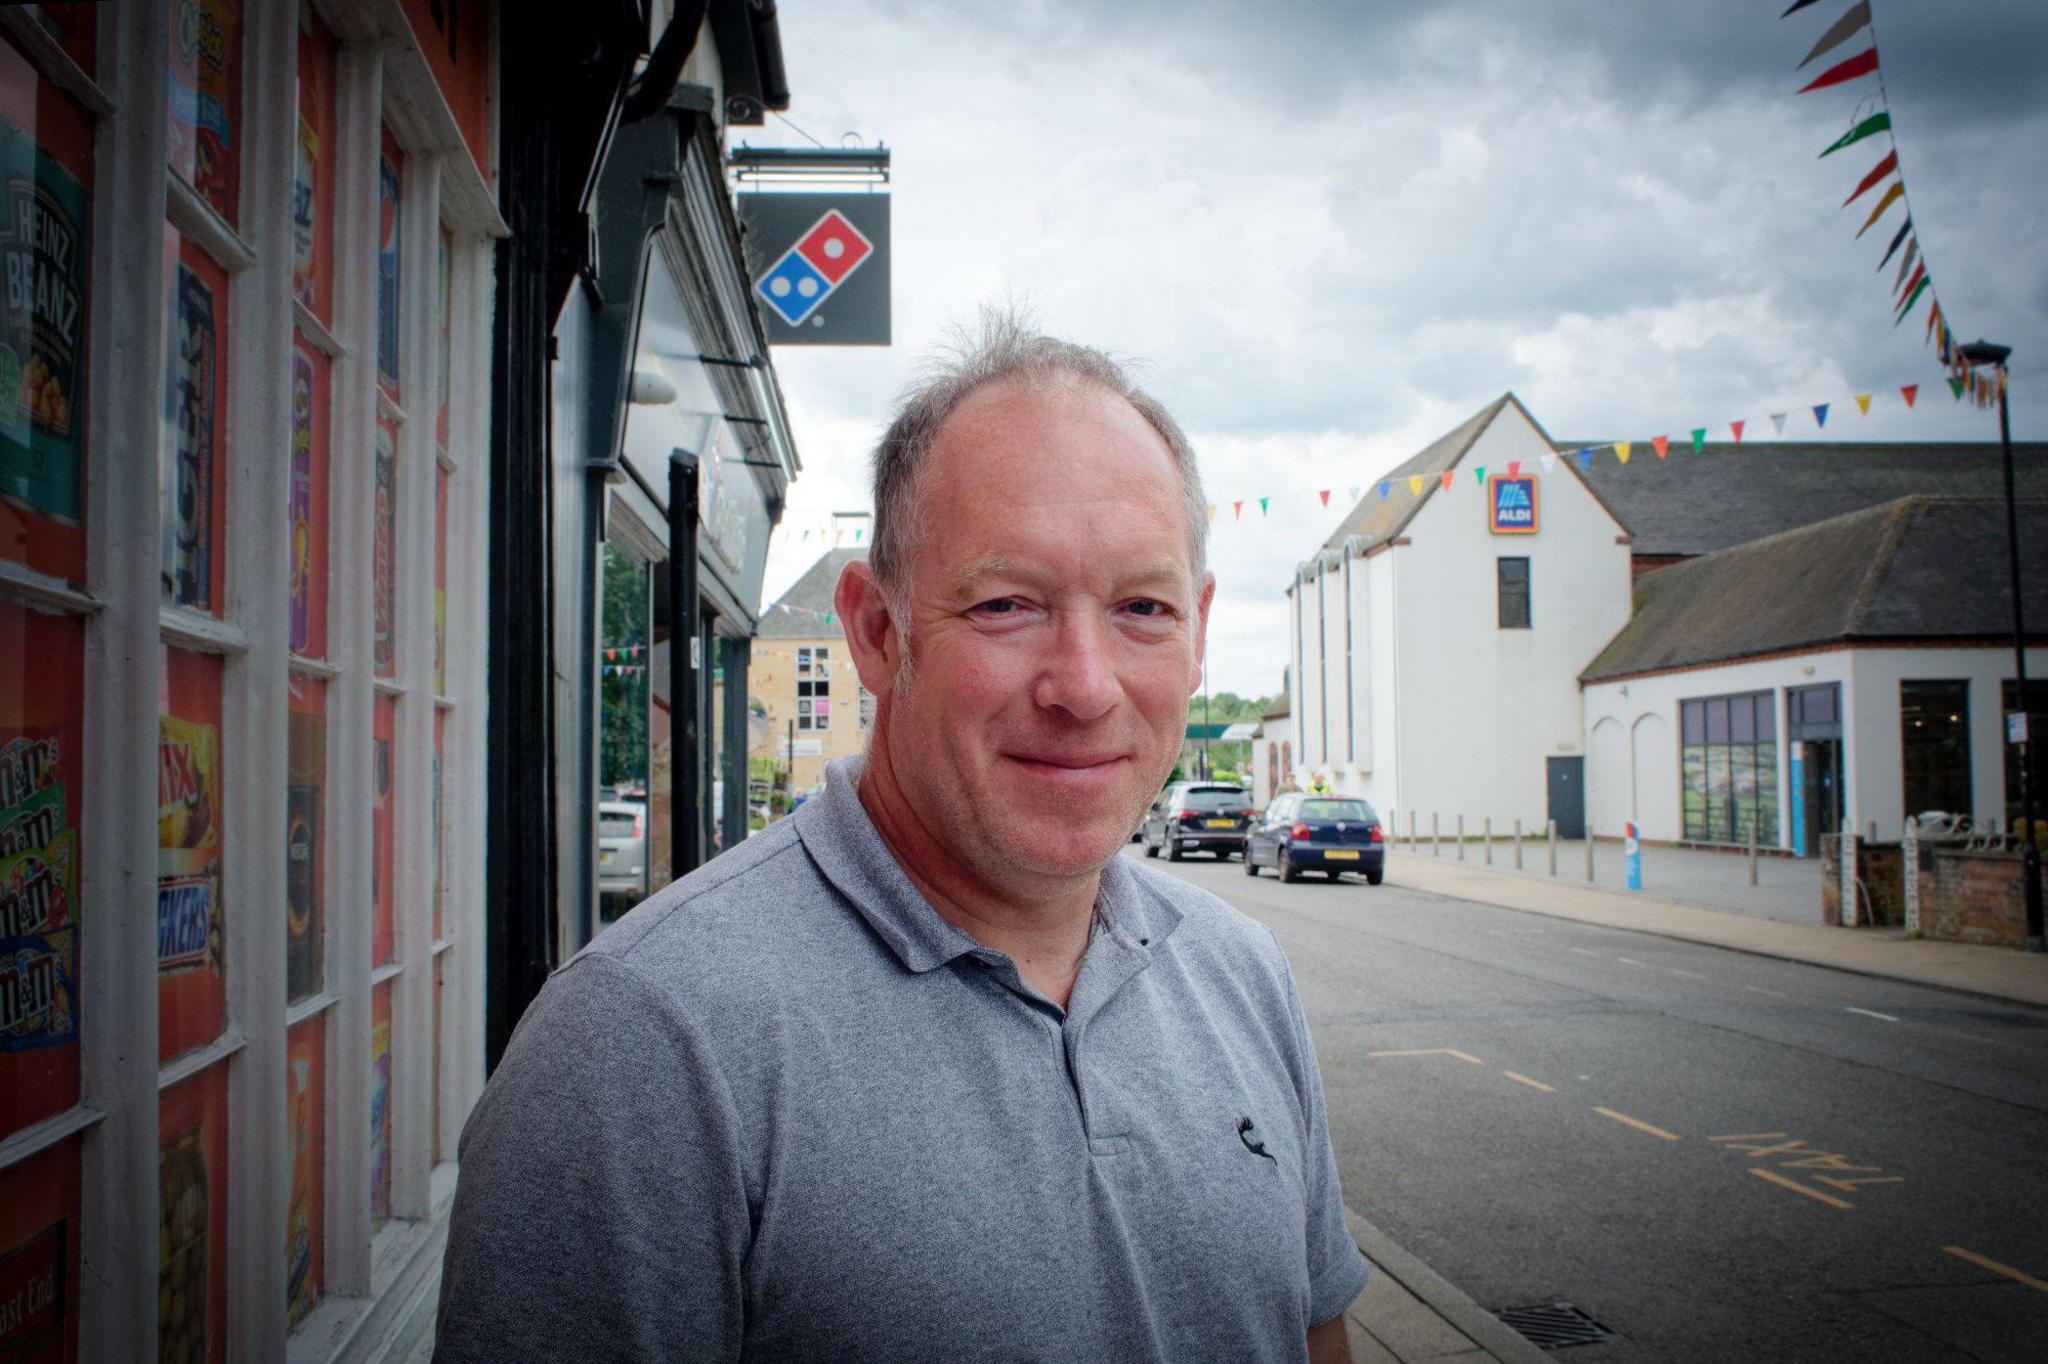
(1197, 816)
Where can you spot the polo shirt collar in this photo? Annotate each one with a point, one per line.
(844, 843)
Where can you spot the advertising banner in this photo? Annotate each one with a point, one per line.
(819, 264)
(188, 488)
(43, 257)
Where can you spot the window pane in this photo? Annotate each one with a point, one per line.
(1694, 780)
(305, 838)
(203, 128)
(41, 683)
(445, 313)
(383, 892)
(2037, 748)
(380, 1105)
(384, 576)
(1718, 778)
(192, 483)
(313, 172)
(1934, 735)
(305, 1214)
(1767, 793)
(1742, 783)
(1717, 720)
(1693, 720)
(1741, 719)
(46, 144)
(389, 167)
(192, 1217)
(310, 389)
(39, 1235)
(440, 579)
(1817, 705)
(191, 981)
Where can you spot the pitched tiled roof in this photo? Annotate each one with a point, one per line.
(1280, 708)
(1916, 568)
(800, 612)
(1696, 503)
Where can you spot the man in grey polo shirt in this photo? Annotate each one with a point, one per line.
(928, 1071)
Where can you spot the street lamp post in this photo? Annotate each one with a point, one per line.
(1990, 353)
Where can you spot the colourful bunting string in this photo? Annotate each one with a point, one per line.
(1909, 392)
(1237, 511)
(1262, 505)
(1797, 5)
(1778, 422)
(1917, 276)
(1549, 463)
(1876, 123)
(1621, 449)
(1478, 474)
(1912, 298)
(1699, 439)
(1736, 427)
(1877, 173)
(1354, 494)
(1863, 403)
(1385, 488)
(1905, 229)
(1415, 486)
(1905, 264)
(1890, 197)
(1957, 386)
(1324, 494)
(1854, 20)
(1662, 445)
(1514, 468)
(1585, 457)
(1862, 64)
(1446, 477)
(1820, 414)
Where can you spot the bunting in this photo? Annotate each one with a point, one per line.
(1820, 414)
(1915, 276)
(1621, 449)
(1662, 445)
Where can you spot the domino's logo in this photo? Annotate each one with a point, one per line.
(827, 254)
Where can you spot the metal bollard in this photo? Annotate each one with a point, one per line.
(1433, 833)
(1412, 844)
(1589, 855)
(1550, 831)
(1909, 849)
(1752, 850)
(1518, 845)
(1461, 838)
(1489, 840)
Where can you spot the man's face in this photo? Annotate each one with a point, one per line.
(1056, 632)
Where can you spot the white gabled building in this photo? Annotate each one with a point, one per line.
(1437, 636)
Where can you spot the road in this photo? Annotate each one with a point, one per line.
(1714, 1155)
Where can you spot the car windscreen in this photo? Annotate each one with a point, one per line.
(1214, 798)
(1335, 809)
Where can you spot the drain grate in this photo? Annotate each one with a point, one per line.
(1554, 1325)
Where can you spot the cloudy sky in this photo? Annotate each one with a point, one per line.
(1331, 231)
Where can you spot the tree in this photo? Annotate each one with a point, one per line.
(623, 680)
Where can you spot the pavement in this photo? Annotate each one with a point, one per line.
(1409, 1312)
(1704, 878)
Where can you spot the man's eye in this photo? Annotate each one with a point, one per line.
(1145, 607)
(1001, 606)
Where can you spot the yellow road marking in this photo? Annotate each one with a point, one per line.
(1996, 1268)
(1639, 1125)
(1746, 1136)
(1796, 1187)
(1533, 1084)
(1432, 1051)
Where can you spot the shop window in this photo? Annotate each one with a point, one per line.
(1512, 588)
(383, 818)
(384, 551)
(190, 924)
(440, 579)
(814, 688)
(192, 1217)
(1728, 768)
(308, 527)
(203, 127)
(2037, 748)
(380, 1106)
(192, 488)
(1934, 739)
(313, 171)
(41, 672)
(46, 162)
(39, 1237)
(444, 315)
(441, 960)
(305, 838)
(306, 1208)
(389, 168)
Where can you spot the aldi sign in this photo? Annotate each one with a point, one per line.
(1511, 504)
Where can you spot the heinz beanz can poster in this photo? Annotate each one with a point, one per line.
(44, 250)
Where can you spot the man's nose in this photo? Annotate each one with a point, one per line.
(1078, 674)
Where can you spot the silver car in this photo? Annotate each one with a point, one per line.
(621, 853)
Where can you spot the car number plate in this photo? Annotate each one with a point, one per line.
(604, 855)
(1221, 823)
(1341, 855)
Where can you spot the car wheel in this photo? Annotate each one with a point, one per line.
(1373, 878)
(1173, 852)
(1150, 851)
(1287, 871)
(1251, 868)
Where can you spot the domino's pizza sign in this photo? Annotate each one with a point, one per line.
(1511, 504)
(820, 266)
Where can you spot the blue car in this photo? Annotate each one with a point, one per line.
(1329, 834)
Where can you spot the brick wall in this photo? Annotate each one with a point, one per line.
(1974, 897)
(1881, 868)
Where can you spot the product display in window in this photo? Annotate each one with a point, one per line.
(380, 1105)
(305, 1114)
(190, 924)
(305, 857)
(39, 1256)
(308, 505)
(383, 815)
(203, 129)
(388, 167)
(192, 1171)
(384, 568)
(192, 491)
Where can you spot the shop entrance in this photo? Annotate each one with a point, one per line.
(1820, 796)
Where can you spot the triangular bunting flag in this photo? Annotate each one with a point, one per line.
(1386, 487)
(1912, 298)
(1549, 463)
(1904, 229)
(1910, 392)
(1845, 28)
(1876, 123)
(863, 531)
(1621, 449)
(1415, 485)
(1262, 505)
(1877, 173)
(1736, 427)
(1585, 454)
(1778, 422)
(1956, 385)
(1905, 264)
(1662, 445)
(1212, 513)
(1863, 403)
(1445, 478)
(1479, 474)
(1862, 64)
(1699, 439)
(1899, 301)
(1324, 493)
(1891, 196)
(1237, 510)
(805, 539)
(1933, 321)
(1354, 492)
(1797, 5)
(1514, 468)
(1820, 414)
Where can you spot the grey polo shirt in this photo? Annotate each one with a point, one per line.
(783, 1110)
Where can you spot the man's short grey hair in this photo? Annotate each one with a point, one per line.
(1002, 348)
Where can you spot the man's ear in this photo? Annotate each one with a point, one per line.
(1203, 599)
(871, 633)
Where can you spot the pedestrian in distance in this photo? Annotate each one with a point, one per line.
(927, 1071)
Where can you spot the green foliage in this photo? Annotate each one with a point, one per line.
(623, 698)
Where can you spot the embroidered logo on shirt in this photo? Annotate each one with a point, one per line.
(1257, 1148)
